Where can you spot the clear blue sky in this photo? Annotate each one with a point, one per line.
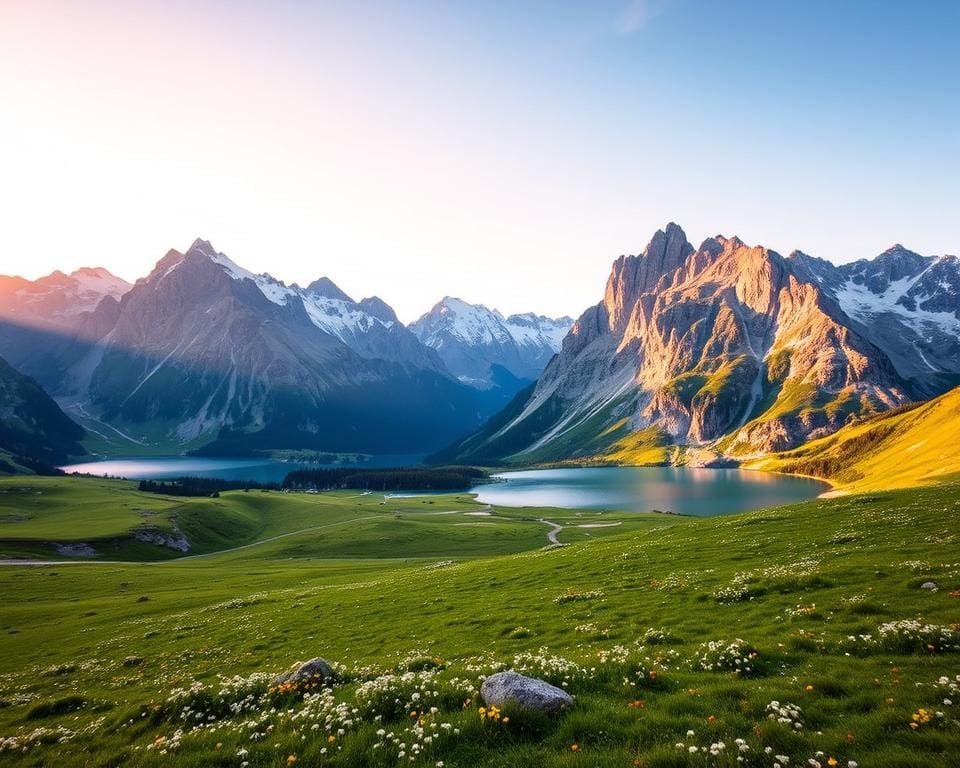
(505, 152)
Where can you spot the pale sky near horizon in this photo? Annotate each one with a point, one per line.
(502, 152)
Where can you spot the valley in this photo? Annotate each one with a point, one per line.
(169, 662)
(719, 511)
(444, 384)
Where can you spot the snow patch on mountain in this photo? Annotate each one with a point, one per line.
(860, 303)
(341, 318)
(472, 339)
(92, 284)
(329, 309)
(61, 298)
(476, 324)
(274, 290)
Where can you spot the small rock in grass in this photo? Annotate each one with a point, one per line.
(317, 670)
(929, 585)
(527, 692)
(133, 661)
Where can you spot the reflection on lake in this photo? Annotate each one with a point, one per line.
(682, 490)
(257, 470)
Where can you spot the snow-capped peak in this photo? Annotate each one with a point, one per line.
(328, 307)
(274, 290)
(471, 338)
(97, 280)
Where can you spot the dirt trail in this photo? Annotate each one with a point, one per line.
(552, 533)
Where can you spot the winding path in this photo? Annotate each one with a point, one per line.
(551, 537)
(552, 533)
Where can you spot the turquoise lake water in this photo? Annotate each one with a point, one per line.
(642, 489)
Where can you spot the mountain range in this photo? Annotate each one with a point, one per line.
(700, 354)
(696, 354)
(202, 354)
(476, 344)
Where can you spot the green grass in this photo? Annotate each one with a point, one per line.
(37, 514)
(794, 582)
(685, 386)
(891, 450)
(10, 466)
(587, 439)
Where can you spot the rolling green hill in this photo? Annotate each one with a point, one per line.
(822, 607)
(911, 446)
(108, 519)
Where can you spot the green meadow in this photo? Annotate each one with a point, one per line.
(827, 631)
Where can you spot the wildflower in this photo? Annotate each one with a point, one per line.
(291, 759)
(331, 739)
(574, 747)
(920, 717)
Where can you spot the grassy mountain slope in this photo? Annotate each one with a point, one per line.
(34, 432)
(911, 446)
(809, 587)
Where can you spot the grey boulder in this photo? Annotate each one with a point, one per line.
(316, 670)
(528, 692)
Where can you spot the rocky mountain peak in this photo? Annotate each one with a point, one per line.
(326, 288)
(378, 308)
(736, 348)
(632, 276)
(900, 261)
(100, 272)
(202, 246)
(474, 341)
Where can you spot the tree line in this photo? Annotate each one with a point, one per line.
(455, 478)
(202, 486)
(403, 479)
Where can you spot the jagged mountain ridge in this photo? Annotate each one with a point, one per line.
(369, 327)
(473, 340)
(58, 297)
(203, 350)
(906, 303)
(724, 346)
(44, 323)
